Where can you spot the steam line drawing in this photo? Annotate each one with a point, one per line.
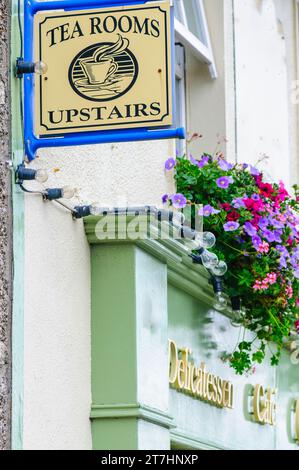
(104, 71)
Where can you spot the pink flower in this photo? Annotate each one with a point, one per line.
(258, 206)
(297, 325)
(289, 292)
(282, 218)
(263, 247)
(297, 302)
(272, 278)
(282, 193)
(257, 285)
(264, 284)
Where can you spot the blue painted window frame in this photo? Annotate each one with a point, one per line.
(32, 143)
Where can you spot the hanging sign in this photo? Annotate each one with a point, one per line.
(107, 68)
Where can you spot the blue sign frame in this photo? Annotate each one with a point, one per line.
(32, 143)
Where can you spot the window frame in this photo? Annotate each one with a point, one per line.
(180, 72)
(183, 34)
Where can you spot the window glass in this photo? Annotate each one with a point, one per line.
(194, 21)
(177, 12)
(192, 30)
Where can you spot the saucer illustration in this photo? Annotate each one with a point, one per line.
(104, 71)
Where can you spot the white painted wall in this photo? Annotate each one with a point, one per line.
(263, 89)
(57, 396)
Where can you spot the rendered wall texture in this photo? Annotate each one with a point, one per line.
(5, 231)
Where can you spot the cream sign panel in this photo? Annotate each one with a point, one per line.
(108, 69)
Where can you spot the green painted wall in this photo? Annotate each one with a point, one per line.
(129, 332)
(113, 327)
(113, 313)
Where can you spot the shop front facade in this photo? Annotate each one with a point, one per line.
(115, 342)
(165, 385)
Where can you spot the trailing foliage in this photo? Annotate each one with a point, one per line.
(257, 230)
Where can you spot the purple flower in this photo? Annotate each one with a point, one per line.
(224, 182)
(269, 236)
(277, 235)
(254, 171)
(164, 198)
(263, 223)
(283, 262)
(170, 164)
(294, 261)
(193, 160)
(282, 249)
(256, 241)
(224, 165)
(238, 203)
(204, 161)
(276, 223)
(255, 197)
(207, 210)
(296, 273)
(179, 201)
(231, 226)
(245, 165)
(250, 229)
(293, 230)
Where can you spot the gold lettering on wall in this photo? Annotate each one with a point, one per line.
(264, 405)
(197, 381)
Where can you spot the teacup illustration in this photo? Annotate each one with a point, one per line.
(104, 70)
(99, 72)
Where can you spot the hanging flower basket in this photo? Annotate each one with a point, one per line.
(256, 224)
